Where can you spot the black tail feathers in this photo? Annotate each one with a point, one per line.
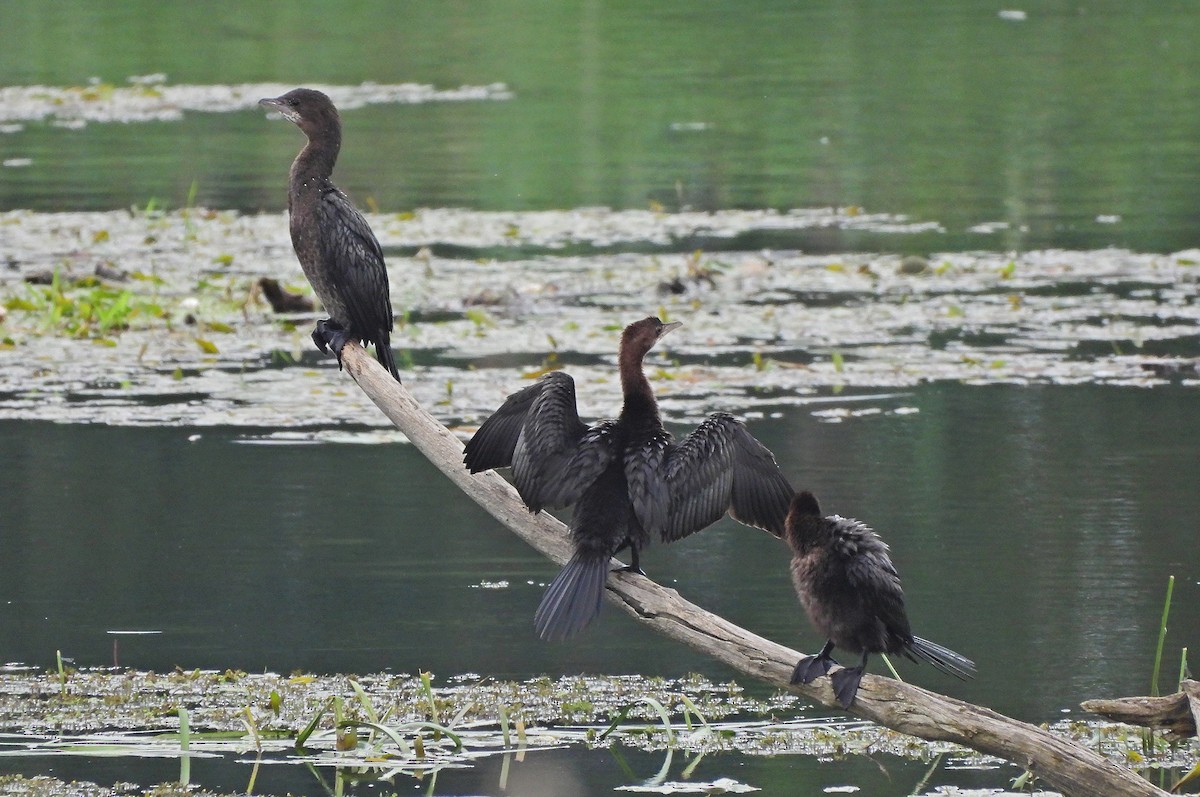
(573, 599)
(943, 659)
(383, 353)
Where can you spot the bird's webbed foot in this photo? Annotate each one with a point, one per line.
(845, 684)
(330, 336)
(810, 668)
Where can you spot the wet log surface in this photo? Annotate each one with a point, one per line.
(1061, 763)
(1178, 713)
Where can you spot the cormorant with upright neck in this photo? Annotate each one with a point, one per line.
(851, 593)
(628, 480)
(335, 245)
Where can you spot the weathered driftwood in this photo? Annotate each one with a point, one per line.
(1069, 767)
(1178, 713)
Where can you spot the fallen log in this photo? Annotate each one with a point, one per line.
(1071, 768)
(1178, 714)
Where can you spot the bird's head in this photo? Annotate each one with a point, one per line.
(805, 525)
(640, 336)
(309, 109)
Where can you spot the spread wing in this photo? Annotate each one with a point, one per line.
(720, 467)
(537, 431)
(350, 251)
(493, 443)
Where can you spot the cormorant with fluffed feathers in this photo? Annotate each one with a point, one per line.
(336, 248)
(851, 593)
(627, 478)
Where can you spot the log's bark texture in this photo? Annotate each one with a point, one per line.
(1068, 767)
(1178, 713)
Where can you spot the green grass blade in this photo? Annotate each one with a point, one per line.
(311, 726)
(185, 760)
(1186, 779)
(621, 715)
(690, 768)
(503, 716)
(659, 709)
(664, 770)
(368, 708)
(1162, 636)
(892, 669)
(405, 747)
(427, 689)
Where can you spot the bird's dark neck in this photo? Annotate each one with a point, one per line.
(640, 407)
(809, 534)
(316, 160)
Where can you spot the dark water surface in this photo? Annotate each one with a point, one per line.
(1035, 526)
(1078, 126)
(1035, 529)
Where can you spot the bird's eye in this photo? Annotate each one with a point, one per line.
(293, 102)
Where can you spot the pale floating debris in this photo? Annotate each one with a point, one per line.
(754, 342)
(133, 633)
(151, 101)
(17, 163)
(286, 437)
(841, 789)
(989, 227)
(954, 791)
(1013, 15)
(601, 227)
(12, 128)
(690, 127)
(718, 786)
(502, 584)
(1108, 218)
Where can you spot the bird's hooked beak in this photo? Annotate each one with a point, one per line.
(278, 105)
(667, 328)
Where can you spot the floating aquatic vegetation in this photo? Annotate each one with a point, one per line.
(718, 786)
(768, 331)
(155, 100)
(381, 726)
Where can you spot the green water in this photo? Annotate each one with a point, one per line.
(943, 111)
(1035, 527)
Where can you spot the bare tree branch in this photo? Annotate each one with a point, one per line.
(1069, 767)
(1178, 713)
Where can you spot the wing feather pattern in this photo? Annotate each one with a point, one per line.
(493, 443)
(353, 253)
(537, 432)
(720, 467)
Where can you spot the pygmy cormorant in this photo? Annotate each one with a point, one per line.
(335, 245)
(627, 478)
(851, 593)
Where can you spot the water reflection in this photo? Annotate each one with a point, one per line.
(1034, 528)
